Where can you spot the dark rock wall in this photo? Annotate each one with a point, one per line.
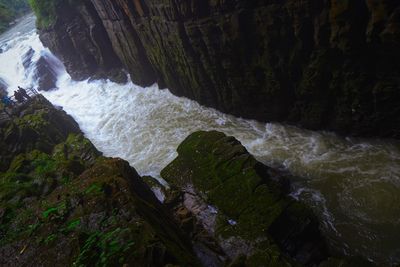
(78, 38)
(324, 64)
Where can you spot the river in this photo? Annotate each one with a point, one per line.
(352, 184)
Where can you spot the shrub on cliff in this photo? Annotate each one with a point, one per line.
(44, 11)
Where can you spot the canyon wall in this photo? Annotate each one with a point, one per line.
(321, 64)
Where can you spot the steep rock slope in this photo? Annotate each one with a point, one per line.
(330, 64)
(78, 38)
(62, 203)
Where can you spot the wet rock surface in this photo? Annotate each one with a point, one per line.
(27, 58)
(320, 64)
(45, 75)
(44, 72)
(79, 40)
(241, 205)
(62, 203)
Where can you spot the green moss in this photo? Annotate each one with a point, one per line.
(249, 202)
(76, 149)
(222, 169)
(105, 248)
(16, 223)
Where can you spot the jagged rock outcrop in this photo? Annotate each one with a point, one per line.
(45, 75)
(78, 38)
(221, 192)
(33, 127)
(44, 72)
(62, 203)
(252, 216)
(322, 64)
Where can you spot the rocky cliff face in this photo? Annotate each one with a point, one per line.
(324, 64)
(78, 38)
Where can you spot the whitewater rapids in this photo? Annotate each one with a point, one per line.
(352, 184)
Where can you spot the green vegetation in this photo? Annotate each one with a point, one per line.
(112, 245)
(243, 190)
(44, 11)
(10, 10)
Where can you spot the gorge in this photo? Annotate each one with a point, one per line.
(352, 184)
(330, 64)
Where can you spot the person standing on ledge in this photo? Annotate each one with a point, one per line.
(23, 92)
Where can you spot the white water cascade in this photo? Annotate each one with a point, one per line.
(352, 184)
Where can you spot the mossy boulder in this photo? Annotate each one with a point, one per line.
(252, 204)
(106, 216)
(34, 125)
(62, 203)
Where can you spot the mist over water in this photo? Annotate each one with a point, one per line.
(352, 184)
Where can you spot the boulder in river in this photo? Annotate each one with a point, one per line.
(253, 216)
(45, 75)
(27, 58)
(44, 70)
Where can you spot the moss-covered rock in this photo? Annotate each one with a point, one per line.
(65, 204)
(98, 219)
(252, 206)
(37, 125)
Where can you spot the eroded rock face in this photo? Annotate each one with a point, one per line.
(78, 38)
(45, 75)
(322, 64)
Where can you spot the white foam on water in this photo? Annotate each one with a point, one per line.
(353, 184)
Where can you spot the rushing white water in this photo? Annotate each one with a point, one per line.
(353, 184)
